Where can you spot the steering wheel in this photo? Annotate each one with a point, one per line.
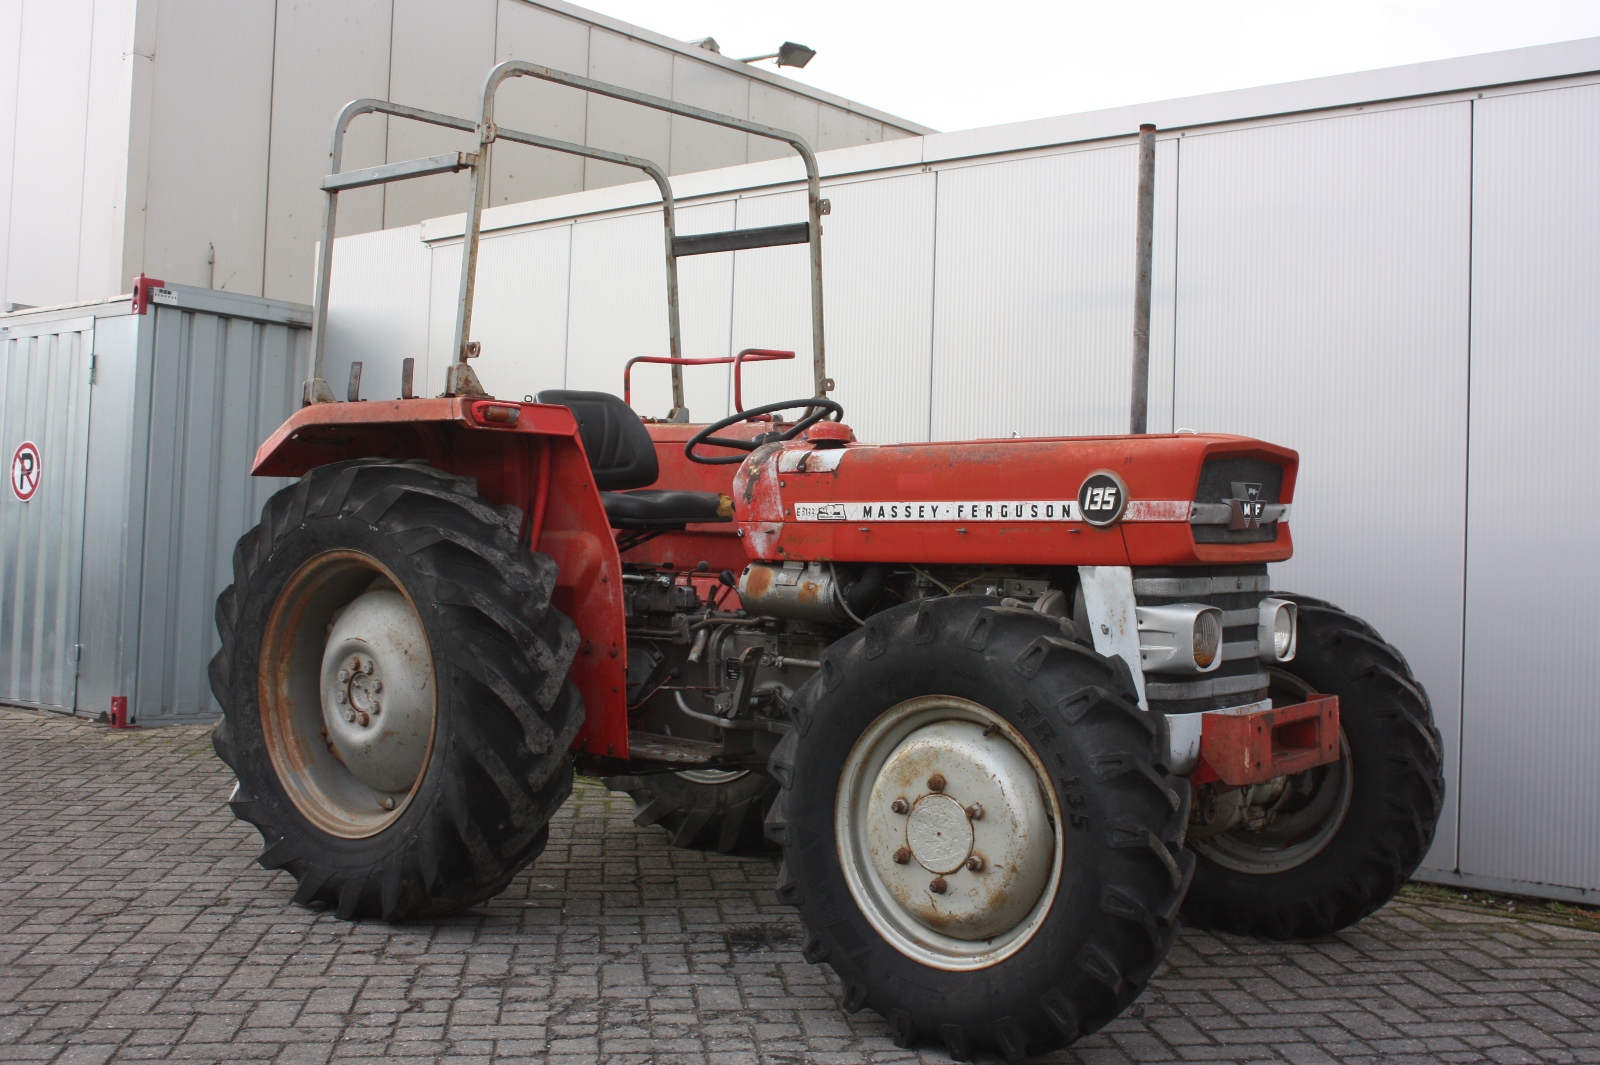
(823, 407)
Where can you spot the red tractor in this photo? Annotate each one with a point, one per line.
(1008, 707)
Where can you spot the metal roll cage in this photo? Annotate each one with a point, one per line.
(460, 379)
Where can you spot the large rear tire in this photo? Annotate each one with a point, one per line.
(975, 828)
(392, 678)
(702, 809)
(1346, 835)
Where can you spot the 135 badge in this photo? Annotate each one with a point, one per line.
(1101, 498)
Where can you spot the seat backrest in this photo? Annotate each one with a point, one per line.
(621, 453)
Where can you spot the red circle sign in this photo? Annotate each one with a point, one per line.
(25, 471)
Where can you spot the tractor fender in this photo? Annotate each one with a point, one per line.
(525, 455)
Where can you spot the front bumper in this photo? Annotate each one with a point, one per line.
(1255, 742)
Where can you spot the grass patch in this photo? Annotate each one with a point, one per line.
(1519, 906)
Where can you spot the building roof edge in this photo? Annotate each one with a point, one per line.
(704, 55)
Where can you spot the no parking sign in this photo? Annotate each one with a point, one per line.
(25, 471)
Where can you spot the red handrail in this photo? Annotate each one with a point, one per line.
(750, 354)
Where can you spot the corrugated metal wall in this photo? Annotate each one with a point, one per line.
(44, 401)
(1323, 304)
(122, 552)
(1530, 794)
(219, 384)
(1404, 293)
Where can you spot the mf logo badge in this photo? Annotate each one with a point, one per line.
(1101, 498)
(1246, 507)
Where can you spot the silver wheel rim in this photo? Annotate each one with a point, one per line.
(711, 776)
(347, 694)
(1318, 801)
(907, 841)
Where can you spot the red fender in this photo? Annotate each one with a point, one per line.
(528, 455)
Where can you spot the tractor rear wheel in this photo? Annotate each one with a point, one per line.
(394, 694)
(975, 827)
(1342, 838)
(702, 808)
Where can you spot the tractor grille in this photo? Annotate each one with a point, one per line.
(1217, 478)
(1237, 591)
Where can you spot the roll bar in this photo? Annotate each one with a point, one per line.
(460, 378)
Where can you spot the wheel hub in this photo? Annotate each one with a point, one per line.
(939, 834)
(958, 830)
(377, 691)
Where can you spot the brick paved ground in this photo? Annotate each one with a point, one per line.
(134, 925)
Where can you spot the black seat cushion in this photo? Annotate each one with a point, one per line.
(664, 508)
(621, 453)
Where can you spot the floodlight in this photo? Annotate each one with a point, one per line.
(788, 54)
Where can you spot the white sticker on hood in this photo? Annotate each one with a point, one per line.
(811, 460)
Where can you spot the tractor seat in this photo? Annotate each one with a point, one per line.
(665, 508)
(622, 456)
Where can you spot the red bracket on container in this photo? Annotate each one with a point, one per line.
(145, 290)
(1252, 747)
(119, 713)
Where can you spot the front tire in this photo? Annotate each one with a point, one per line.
(1350, 833)
(392, 679)
(954, 730)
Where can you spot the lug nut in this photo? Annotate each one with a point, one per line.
(902, 856)
(936, 782)
(365, 720)
(341, 698)
(938, 887)
(344, 676)
(375, 687)
(975, 863)
(350, 716)
(899, 806)
(975, 812)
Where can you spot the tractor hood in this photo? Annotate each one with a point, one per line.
(1183, 499)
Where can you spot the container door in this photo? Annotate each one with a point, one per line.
(220, 384)
(44, 432)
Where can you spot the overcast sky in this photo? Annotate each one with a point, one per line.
(956, 65)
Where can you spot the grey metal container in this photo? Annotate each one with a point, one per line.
(145, 425)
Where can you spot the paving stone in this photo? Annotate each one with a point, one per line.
(136, 926)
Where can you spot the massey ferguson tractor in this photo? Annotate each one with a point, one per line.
(1010, 708)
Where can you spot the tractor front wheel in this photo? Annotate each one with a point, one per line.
(975, 827)
(1333, 843)
(393, 685)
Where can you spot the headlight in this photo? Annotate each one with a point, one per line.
(1207, 639)
(1278, 631)
(1183, 638)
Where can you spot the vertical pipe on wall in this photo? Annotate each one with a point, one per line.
(1139, 408)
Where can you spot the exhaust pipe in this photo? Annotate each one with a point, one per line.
(1139, 420)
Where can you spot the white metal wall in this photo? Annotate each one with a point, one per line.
(1530, 794)
(187, 139)
(1323, 304)
(1405, 294)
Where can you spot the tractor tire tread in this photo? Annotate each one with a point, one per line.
(1392, 818)
(725, 817)
(1132, 925)
(505, 770)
